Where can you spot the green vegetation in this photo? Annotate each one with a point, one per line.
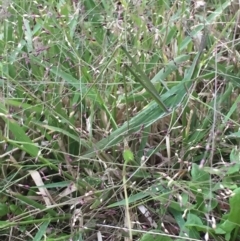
(119, 120)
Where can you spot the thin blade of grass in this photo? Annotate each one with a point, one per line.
(145, 82)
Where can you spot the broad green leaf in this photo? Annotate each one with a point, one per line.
(233, 219)
(233, 169)
(3, 209)
(155, 237)
(235, 156)
(234, 135)
(15, 209)
(193, 220)
(235, 160)
(179, 219)
(198, 174)
(21, 139)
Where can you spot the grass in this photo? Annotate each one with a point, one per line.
(119, 120)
